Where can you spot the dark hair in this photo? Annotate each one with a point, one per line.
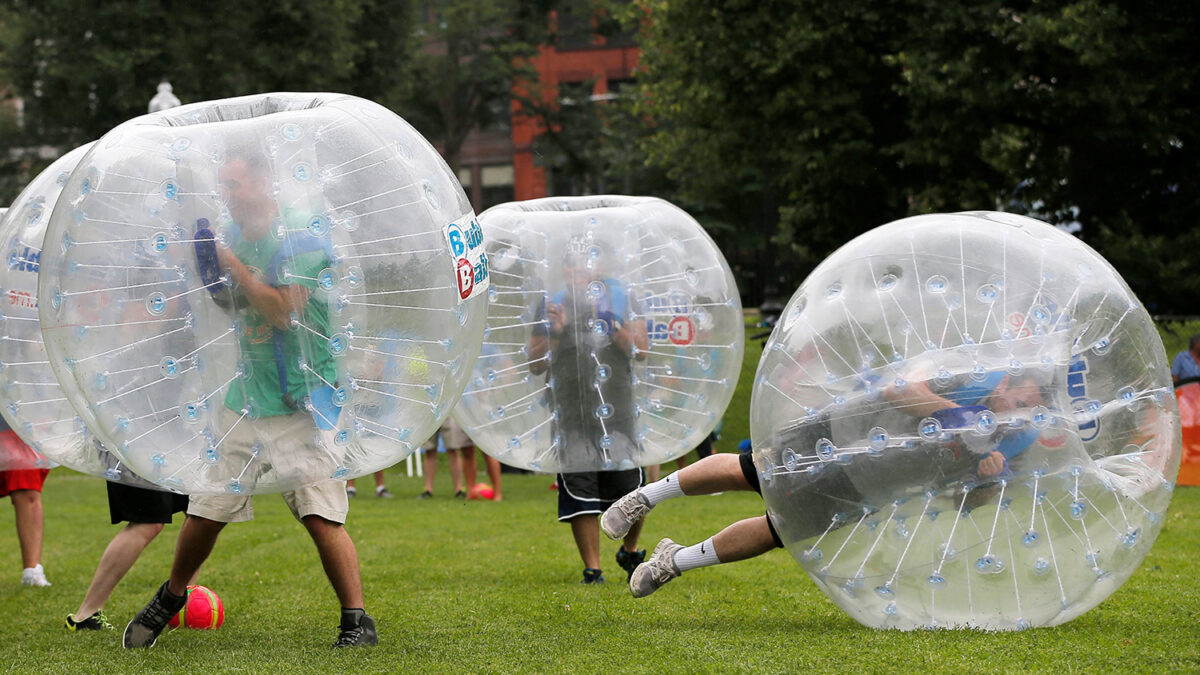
(1193, 341)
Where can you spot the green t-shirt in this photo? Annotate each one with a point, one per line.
(309, 341)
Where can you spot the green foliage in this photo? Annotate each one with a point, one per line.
(807, 123)
(472, 53)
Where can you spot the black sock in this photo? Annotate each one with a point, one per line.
(169, 599)
(352, 617)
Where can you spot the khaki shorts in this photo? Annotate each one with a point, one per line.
(326, 499)
(453, 437)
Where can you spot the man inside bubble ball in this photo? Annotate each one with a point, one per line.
(265, 300)
(955, 403)
(586, 324)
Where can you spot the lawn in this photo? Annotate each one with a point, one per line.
(493, 587)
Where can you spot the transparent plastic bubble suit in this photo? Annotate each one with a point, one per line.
(966, 420)
(258, 293)
(614, 339)
(30, 399)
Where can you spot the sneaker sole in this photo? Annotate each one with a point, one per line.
(132, 630)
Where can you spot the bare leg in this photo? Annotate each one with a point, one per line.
(379, 481)
(120, 555)
(456, 473)
(586, 530)
(744, 539)
(470, 470)
(196, 540)
(429, 460)
(28, 507)
(715, 473)
(493, 472)
(653, 473)
(339, 557)
(629, 543)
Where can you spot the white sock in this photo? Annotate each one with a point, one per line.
(697, 555)
(661, 490)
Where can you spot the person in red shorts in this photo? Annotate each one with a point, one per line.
(24, 487)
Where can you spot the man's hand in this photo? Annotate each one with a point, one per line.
(991, 465)
(557, 318)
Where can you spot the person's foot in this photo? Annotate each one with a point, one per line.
(357, 630)
(34, 576)
(351, 491)
(383, 493)
(425, 495)
(96, 621)
(620, 517)
(591, 575)
(658, 570)
(144, 629)
(629, 560)
(460, 495)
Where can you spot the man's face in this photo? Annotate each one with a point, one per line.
(1021, 395)
(577, 273)
(246, 195)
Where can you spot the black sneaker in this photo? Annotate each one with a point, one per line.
(425, 495)
(629, 560)
(145, 627)
(460, 495)
(357, 629)
(96, 621)
(592, 575)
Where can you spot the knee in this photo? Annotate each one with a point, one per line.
(146, 531)
(26, 498)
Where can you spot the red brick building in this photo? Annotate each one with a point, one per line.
(500, 165)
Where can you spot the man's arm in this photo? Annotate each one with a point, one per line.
(277, 304)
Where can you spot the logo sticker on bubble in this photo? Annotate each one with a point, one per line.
(464, 237)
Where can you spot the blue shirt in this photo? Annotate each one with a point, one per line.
(1184, 366)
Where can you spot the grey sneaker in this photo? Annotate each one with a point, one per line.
(626, 511)
(656, 571)
(144, 629)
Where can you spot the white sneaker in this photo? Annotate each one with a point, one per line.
(658, 570)
(34, 576)
(620, 517)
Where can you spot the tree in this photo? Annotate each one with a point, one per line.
(811, 123)
(473, 52)
(777, 119)
(1079, 110)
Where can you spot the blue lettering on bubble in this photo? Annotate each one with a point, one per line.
(457, 247)
(1077, 390)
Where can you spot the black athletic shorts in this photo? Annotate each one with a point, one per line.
(142, 505)
(751, 475)
(593, 491)
(826, 494)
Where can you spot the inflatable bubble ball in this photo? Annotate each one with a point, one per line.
(30, 399)
(966, 420)
(614, 338)
(258, 293)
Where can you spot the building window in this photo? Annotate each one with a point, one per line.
(497, 184)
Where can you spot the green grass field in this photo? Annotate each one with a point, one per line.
(493, 587)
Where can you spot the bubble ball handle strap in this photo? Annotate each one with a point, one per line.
(207, 260)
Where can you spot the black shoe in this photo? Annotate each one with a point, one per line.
(460, 495)
(96, 621)
(592, 575)
(357, 629)
(629, 560)
(145, 627)
(425, 495)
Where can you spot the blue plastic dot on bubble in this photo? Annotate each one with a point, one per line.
(929, 428)
(936, 579)
(156, 303)
(1078, 509)
(1030, 538)
(825, 449)
(403, 433)
(604, 411)
(338, 343)
(159, 459)
(342, 437)
(788, 456)
(340, 473)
